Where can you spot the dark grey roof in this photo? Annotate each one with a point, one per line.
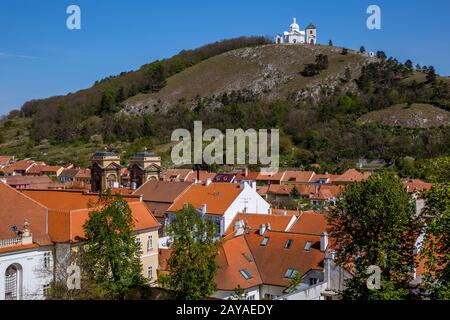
(311, 26)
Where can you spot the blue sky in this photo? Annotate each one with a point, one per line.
(40, 57)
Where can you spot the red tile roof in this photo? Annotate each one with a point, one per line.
(273, 260)
(68, 199)
(254, 221)
(43, 169)
(352, 175)
(310, 222)
(15, 208)
(30, 182)
(67, 226)
(299, 176)
(234, 256)
(162, 191)
(416, 185)
(4, 160)
(251, 175)
(21, 165)
(217, 196)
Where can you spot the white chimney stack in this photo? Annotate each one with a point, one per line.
(203, 209)
(208, 182)
(324, 242)
(262, 229)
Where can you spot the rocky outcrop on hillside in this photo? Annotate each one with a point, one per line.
(267, 73)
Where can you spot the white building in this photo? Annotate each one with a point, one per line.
(221, 202)
(297, 36)
(25, 268)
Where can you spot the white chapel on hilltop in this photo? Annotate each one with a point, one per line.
(295, 35)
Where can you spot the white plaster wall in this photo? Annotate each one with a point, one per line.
(248, 199)
(34, 277)
(227, 295)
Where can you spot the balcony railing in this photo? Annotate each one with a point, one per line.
(10, 242)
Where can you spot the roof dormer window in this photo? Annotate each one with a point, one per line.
(308, 245)
(246, 274)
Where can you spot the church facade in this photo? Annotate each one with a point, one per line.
(297, 36)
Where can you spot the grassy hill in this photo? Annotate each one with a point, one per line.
(409, 116)
(338, 112)
(270, 72)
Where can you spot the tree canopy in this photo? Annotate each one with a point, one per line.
(192, 265)
(374, 224)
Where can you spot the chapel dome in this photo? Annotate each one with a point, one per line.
(295, 26)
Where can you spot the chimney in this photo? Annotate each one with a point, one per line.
(269, 227)
(324, 242)
(239, 228)
(246, 172)
(27, 236)
(203, 208)
(208, 182)
(262, 229)
(133, 186)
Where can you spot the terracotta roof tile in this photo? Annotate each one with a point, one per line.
(217, 196)
(15, 208)
(310, 222)
(162, 191)
(234, 256)
(273, 260)
(254, 221)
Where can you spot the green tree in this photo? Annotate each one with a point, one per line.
(295, 281)
(192, 265)
(322, 62)
(239, 294)
(112, 255)
(155, 75)
(431, 74)
(295, 194)
(436, 249)
(409, 65)
(374, 224)
(108, 104)
(381, 55)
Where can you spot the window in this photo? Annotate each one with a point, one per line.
(46, 289)
(265, 241)
(248, 257)
(308, 246)
(288, 244)
(150, 272)
(252, 297)
(313, 281)
(149, 243)
(47, 259)
(290, 273)
(246, 274)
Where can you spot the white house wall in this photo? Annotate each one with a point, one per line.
(33, 275)
(248, 201)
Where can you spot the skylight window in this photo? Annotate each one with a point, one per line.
(308, 246)
(290, 273)
(246, 274)
(248, 257)
(288, 244)
(265, 241)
